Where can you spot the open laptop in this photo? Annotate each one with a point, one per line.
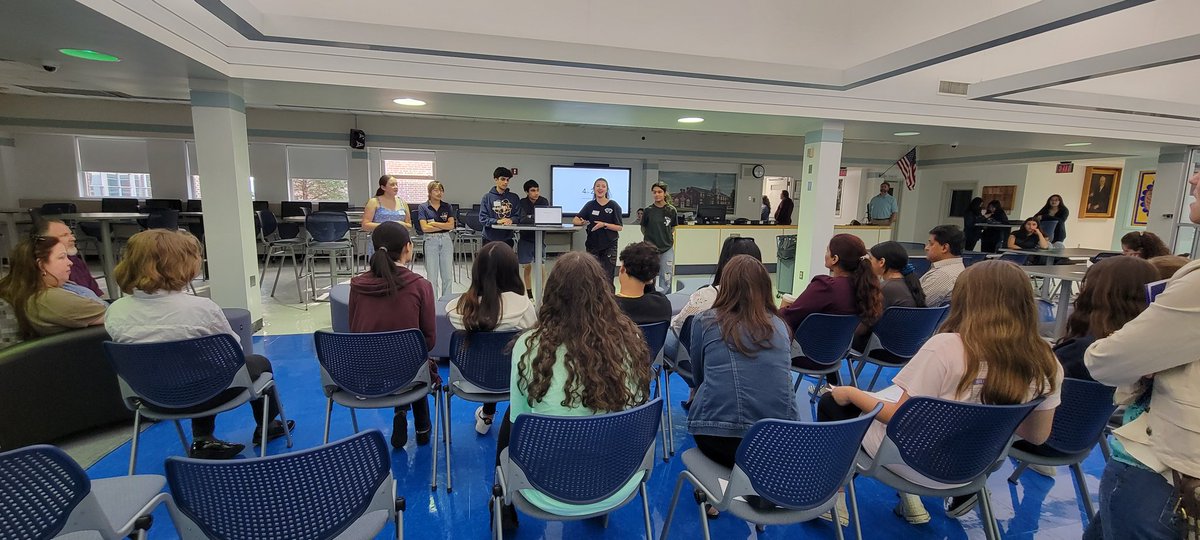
(548, 215)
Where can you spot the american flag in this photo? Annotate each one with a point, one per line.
(908, 167)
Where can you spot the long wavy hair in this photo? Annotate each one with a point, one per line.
(895, 258)
(992, 309)
(1113, 293)
(605, 351)
(494, 272)
(850, 251)
(1147, 244)
(1063, 211)
(744, 308)
(24, 283)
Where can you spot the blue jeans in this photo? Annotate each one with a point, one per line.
(666, 271)
(439, 262)
(1135, 503)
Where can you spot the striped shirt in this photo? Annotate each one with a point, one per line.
(938, 282)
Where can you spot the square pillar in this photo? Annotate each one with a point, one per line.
(816, 196)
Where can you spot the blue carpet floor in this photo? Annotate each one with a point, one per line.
(1038, 507)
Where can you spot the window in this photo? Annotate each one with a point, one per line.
(194, 187)
(110, 184)
(194, 173)
(413, 171)
(318, 173)
(318, 189)
(113, 168)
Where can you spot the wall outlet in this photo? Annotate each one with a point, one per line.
(253, 280)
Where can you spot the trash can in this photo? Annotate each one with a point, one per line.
(785, 247)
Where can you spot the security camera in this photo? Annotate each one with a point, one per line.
(50, 67)
(954, 144)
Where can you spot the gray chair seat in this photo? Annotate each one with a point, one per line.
(124, 497)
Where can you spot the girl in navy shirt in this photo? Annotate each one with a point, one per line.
(603, 218)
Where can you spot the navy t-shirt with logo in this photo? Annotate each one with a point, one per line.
(608, 213)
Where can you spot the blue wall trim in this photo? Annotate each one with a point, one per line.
(824, 135)
(98, 126)
(224, 100)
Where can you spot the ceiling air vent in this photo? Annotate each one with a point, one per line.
(952, 88)
(76, 92)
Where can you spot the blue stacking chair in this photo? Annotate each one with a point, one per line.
(46, 494)
(656, 336)
(1018, 259)
(912, 245)
(972, 257)
(577, 460)
(327, 232)
(275, 245)
(339, 490)
(797, 467)
(480, 372)
(372, 370)
(156, 378)
(1079, 423)
(921, 265)
(947, 442)
(901, 332)
(825, 341)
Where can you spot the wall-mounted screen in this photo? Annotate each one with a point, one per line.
(571, 186)
(691, 190)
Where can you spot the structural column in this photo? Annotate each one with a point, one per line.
(361, 185)
(1170, 190)
(222, 151)
(816, 196)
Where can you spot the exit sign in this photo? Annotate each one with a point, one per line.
(1065, 167)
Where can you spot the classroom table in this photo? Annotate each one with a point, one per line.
(1067, 274)
(105, 220)
(1064, 253)
(540, 253)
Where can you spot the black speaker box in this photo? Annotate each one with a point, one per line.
(358, 139)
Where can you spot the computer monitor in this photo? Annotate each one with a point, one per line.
(710, 213)
(547, 215)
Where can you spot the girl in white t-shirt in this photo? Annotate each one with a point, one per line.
(988, 351)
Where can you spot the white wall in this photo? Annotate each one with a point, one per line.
(927, 213)
(1042, 182)
(852, 187)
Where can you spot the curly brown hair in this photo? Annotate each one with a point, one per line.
(605, 351)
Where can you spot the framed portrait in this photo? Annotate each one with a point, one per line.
(1100, 187)
(1141, 202)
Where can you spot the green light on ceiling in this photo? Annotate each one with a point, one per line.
(88, 54)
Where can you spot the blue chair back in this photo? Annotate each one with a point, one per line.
(53, 209)
(39, 486)
(656, 337)
(295, 208)
(1048, 226)
(327, 226)
(903, 330)
(1045, 310)
(313, 493)
(972, 257)
(267, 221)
(1082, 416)
(800, 465)
(331, 206)
(920, 265)
(112, 204)
(483, 359)
(954, 442)
(1015, 258)
(826, 339)
(372, 364)
(584, 459)
(177, 374)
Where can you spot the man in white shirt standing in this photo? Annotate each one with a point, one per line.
(882, 208)
(944, 250)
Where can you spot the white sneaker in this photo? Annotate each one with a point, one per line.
(482, 423)
(843, 512)
(1044, 470)
(911, 509)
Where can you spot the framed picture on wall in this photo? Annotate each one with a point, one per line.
(1100, 185)
(1145, 192)
(1007, 195)
(837, 205)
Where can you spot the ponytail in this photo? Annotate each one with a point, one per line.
(383, 266)
(867, 294)
(378, 192)
(914, 285)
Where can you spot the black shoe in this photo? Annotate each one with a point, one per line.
(959, 506)
(215, 449)
(508, 517)
(274, 431)
(686, 404)
(400, 430)
(423, 436)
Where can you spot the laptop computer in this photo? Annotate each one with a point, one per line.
(548, 215)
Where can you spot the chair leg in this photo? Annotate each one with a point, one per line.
(1077, 471)
(646, 511)
(671, 509)
(667, 406)
(182, 437)
(446, 419)
(437, 427)
(262, 449)
(137, 429)
(497, 530)
(328, 414)
(703, 517)
(354, 419)
(837, 522)
(853, 508)
(287, 431)
(1016, 474)
(878, 370)
(991, 531)
(1105, 449)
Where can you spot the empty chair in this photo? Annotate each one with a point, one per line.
(260, 206)
(159, 379)
(1079, 423)
(111, 204)
(173, 204)
(277, 247)
(194, 205)
(936, 441)
(605, 458)
(656, 337)
(333, 206)
(47, 495)
(824, 341)
(912, 245)
(901, 332)
(295, 208)
(327, 232)
(480, 372)
(799, 485)
(53, 209)
(339, 490)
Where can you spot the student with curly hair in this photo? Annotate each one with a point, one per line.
(636, 295)
(1146, 245)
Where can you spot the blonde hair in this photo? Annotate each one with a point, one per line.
(158, 260)
(993, 311)
(434, 185)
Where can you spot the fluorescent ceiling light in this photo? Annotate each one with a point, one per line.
(690, 120)
(1078, 144)
(407, 101)
(906, 133)
(88, 54)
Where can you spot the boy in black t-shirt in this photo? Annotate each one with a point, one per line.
(637, 297)
(658, 227)
(526, 249)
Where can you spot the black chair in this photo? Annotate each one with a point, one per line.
(329, 206)
(194, 205)
(161, 218)
(173, 204)
(110, 204)
(260, 206)
(327, 232)
(277, 245)
(295, 208)
(53, 209)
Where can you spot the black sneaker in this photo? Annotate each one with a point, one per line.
(508, 517)
(423, 436)
(274, 431)
(961, 505)
(400, 429)
(215, 449)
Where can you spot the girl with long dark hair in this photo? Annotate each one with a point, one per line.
(1055, 210)
(602, 216)
(971, 219)
(900, 284)
(36, 287)
(992, 236)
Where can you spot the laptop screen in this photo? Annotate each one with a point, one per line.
(547, 215)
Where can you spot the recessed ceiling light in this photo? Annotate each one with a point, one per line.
(906, 133)
(407, 101)
(690, 120)
(88, 54)
(1078, 144)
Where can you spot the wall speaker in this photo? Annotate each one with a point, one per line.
(358, 139)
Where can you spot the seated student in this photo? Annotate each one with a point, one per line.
(851, 288)
(36, 288)
(495, 301)
(81, 278)
(636, 295)
(582, 357)
(742, 363)
(1029, 236)
(391, 297)
(944, 251)
(1167, 265)
(901, 286)
(1113, 293)
(703, 298)
(988, 352)
(158, 265)
(1146, 245)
